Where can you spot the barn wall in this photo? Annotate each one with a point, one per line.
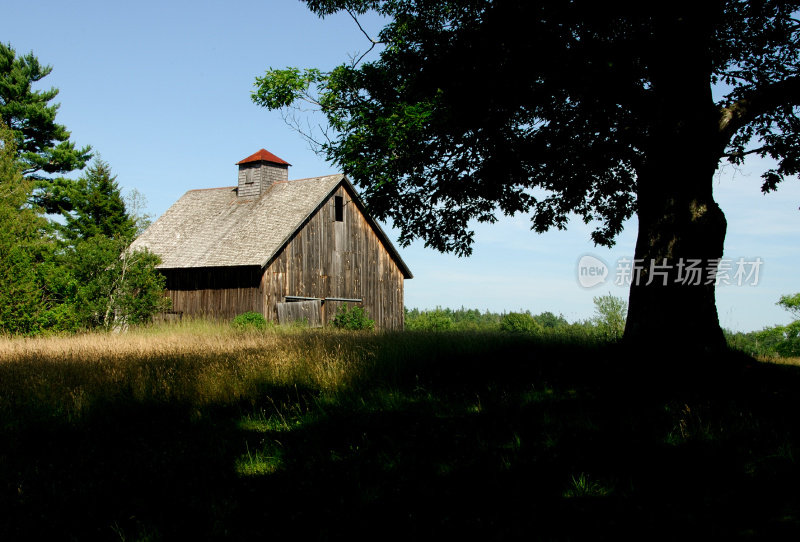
(215, 292)
(337, 259)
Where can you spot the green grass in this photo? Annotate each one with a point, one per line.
(199, 432)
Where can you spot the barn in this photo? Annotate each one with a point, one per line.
(287, 249)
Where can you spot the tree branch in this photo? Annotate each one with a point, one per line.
(742, 154)
(757, 102)
(372, 41)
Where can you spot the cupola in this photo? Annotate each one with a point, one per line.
(259, 171)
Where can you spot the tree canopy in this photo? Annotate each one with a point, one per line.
(43, 145)
(558, 108)
(84, 277)
(59, 276)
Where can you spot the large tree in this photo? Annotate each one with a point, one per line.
(558, 108)
(43, 146)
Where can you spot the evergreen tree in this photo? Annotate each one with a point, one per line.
(90, 279)
(22, 303)
(42, 145)
(112, 286)
(97, 207)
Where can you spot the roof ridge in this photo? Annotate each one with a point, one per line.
(303, 179)
(312, 178)
(276, 182)
(216, 188)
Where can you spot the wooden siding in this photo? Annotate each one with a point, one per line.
(343, 259)
(261, 176)
(215, 292)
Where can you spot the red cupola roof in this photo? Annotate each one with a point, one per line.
(263, 156)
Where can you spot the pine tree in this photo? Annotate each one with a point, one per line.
(113, 286)
(42, 145)
(89, 279)
(22, 303)
(97, 207)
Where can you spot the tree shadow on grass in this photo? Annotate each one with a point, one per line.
(540, 442)
(573, 457)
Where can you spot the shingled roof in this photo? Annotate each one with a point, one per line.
(216, 228)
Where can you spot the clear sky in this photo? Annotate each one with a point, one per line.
(161, 90)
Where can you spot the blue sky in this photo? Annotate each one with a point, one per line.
(161, 90)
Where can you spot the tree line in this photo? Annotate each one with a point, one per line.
(607, 323)
(63, 242)
(780, 340)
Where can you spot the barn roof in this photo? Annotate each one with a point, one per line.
(216, 228)
(263, 156)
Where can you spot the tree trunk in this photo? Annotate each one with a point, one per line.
(681, 228)
(672, 296)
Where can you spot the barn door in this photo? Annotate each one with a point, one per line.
(298, 311)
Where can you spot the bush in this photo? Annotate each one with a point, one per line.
(353, 318)
(519, 322)
(250, 320)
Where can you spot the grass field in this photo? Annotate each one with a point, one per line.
(199, 432)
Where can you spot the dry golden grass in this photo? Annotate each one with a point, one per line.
(779, 360)
(196, 363)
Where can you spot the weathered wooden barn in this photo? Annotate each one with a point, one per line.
(286, 249)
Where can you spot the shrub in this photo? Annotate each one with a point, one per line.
(519, 322)
(353, 318)
(250, 320)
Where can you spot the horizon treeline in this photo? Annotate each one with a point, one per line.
(608, 322)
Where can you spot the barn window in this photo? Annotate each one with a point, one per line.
(248, 175)
(338, 206)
